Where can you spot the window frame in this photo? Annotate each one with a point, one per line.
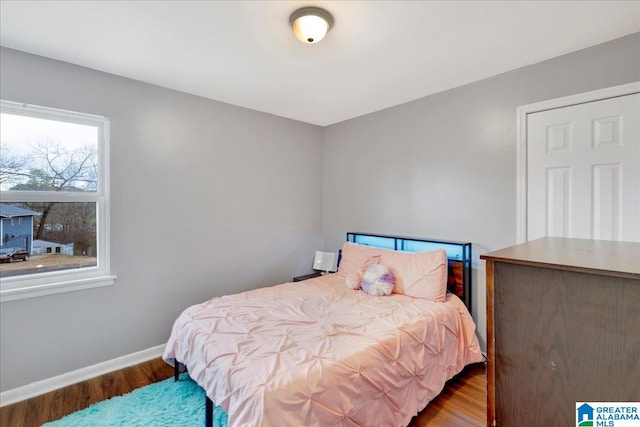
(47, 283)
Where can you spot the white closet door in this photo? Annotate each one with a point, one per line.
(583, 171)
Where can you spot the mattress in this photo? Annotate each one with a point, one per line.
(315, 353)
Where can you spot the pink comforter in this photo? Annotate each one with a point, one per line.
(315, 353)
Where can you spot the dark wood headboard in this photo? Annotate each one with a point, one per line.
(458, 255)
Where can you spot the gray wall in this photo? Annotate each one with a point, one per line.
(444, 166)
(206, 199)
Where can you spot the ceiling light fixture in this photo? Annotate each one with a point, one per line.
(311, 24)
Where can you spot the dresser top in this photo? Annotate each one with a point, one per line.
(590, 256)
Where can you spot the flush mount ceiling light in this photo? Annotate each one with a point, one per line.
(311, 24)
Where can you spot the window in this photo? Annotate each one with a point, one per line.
(54, 201)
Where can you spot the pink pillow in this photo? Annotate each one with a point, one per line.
(419, 274)
(378, 280)
(354, 257)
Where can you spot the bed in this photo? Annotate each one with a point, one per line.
(318, 353)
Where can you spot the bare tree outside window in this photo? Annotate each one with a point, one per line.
(62, 170)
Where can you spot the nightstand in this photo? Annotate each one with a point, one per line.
(307, 276)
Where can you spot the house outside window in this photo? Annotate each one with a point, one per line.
(14, 235)
(54, 188)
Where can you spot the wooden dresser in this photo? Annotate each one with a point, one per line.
(563, 326)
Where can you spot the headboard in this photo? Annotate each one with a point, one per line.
(458, 254)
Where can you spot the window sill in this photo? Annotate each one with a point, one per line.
(55, 288)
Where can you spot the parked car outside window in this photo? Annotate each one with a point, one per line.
(13, 254)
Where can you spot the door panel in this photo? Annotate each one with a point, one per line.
(583, 170)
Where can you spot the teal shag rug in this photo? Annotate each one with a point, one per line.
(163, 404)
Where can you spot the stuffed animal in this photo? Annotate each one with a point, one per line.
(377, 280)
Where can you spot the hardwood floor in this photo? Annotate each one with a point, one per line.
(58, 403)
(463, 402)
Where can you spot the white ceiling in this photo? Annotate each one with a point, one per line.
(378, 54)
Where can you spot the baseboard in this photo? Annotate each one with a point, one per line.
(37, 388)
